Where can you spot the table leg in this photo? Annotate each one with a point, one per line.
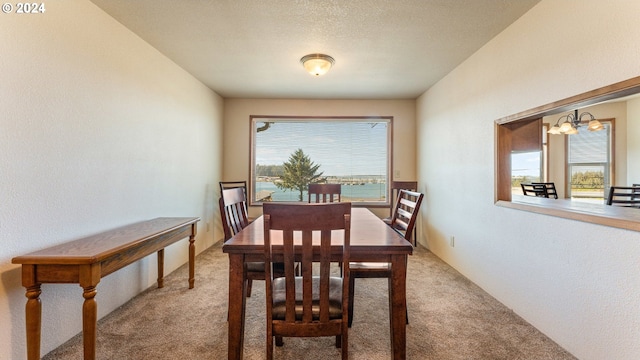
(89, 279)
(33, 313)
(160, 268)
(237, 300)
(89, 322)
(398, 306)
(192, 256)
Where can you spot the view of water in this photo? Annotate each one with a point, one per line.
(364, 192)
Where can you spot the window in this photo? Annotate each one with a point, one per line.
(352, 151)
(589, 163)
(530, 166)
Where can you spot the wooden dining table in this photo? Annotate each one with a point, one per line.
(371, 241)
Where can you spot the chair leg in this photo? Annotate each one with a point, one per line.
(352, 287)
(249, 282)
(406, 314)
(279, 341)
(338, 341)
(345, 345)
(269, 347)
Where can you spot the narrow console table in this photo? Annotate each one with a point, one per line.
(85, 261)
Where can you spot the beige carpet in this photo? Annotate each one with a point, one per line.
(450, 318)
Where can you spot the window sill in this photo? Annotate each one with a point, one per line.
(613, 216)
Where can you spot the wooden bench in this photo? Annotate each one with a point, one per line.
(85, 261)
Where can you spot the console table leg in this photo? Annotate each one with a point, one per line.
(33, 313)
(89, 322)
(192, 257)
(160, 268)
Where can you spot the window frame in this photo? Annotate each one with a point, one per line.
(624, 218)
(609, 165)
(253, 119)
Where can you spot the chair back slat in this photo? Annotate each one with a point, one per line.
(323, 193)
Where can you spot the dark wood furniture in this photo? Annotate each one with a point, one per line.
(403, 221)
(550, 187)
(309, 305)
(233, 210)
(628, 196)
(85, 261)
(395, 187)
(539, 190)
(371, 241)
(324, 192)
(234, 185)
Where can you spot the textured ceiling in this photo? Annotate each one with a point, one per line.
(383, 49)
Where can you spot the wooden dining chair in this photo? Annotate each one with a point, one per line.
(395, 187)
(224, 185)
(324, 192)
(403, 221)
(233, 211)
(550, 187)
(627, 196)
(538, 190)
(312, 304)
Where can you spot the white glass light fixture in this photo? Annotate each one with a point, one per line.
(317, 64)
(572, 122)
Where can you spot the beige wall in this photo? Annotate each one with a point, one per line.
(576, 282)
(237, 129)
(98, 130)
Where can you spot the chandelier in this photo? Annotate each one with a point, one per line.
(572, 122)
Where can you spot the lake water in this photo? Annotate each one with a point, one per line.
(365, 192)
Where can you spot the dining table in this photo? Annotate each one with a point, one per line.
(371, 240)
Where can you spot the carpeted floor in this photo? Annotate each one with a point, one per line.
(450, 318)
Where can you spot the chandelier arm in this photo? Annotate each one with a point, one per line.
(587, 113)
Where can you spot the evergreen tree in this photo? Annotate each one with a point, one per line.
(299, 172)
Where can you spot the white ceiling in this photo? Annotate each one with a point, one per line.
(383, 49)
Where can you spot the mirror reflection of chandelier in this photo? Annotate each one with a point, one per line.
(572, 122)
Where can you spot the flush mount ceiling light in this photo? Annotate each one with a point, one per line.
(317, 64)
(572, 123)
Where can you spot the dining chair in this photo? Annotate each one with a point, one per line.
(314, 303)
(396, 186)
(538, 190)
(234, 184)
(325, 192)
(403, 221)
(550, 187)
(233, 211)
(627, 196)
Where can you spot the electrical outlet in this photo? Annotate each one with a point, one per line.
(452, 241)
(396, 174)
(208, 226)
